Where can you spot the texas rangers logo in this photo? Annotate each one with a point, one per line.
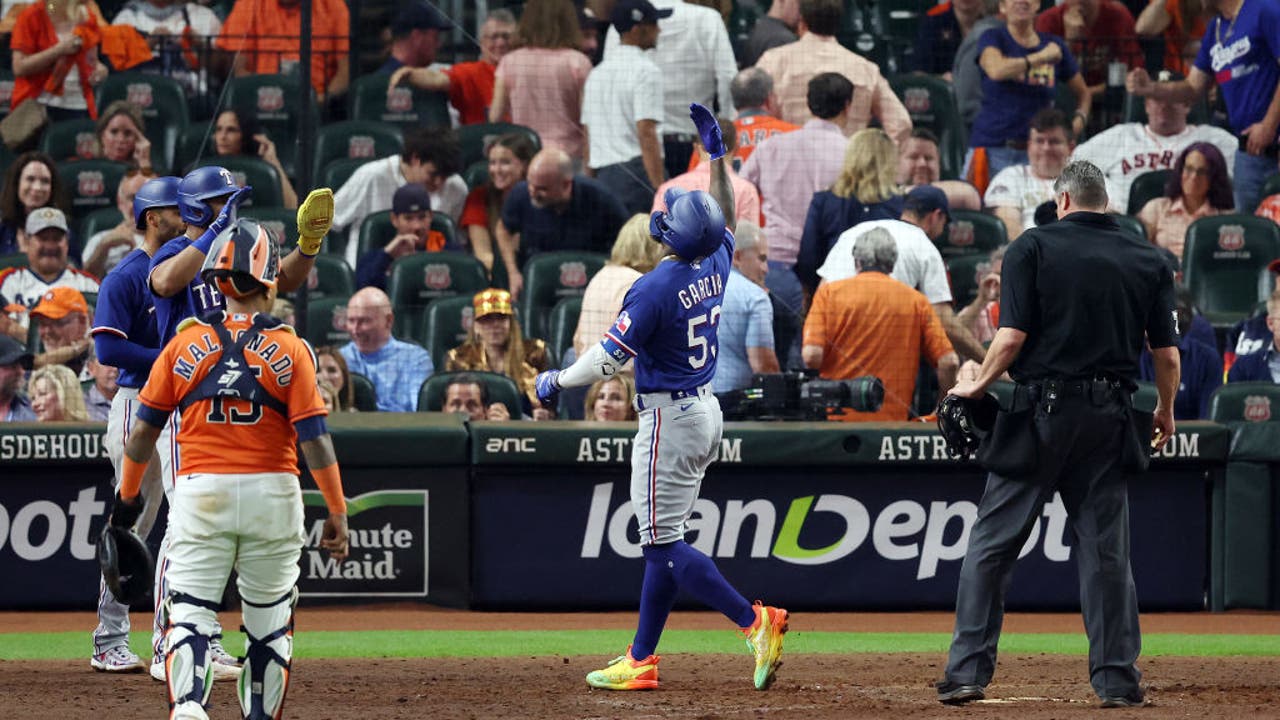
(139, 94)
(270, 98)
(1231, 237)
(437, 276)
(961, 233)
(89, 183)
(917, 100)
(339, 321)
(86, 145)
(623, 323)
(1257, 408)
(360, 146)
(573, 274)
(399, 100)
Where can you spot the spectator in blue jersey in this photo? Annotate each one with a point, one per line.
(746, 317)
(1252, 334)
(396, 368)
(1201, 366)
(411, 217)
(1239, 52)
(15, 361)
(939, 34)
(1262, 365)
(1021, 70)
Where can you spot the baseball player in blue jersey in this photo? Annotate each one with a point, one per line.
(125, 336)
(668, 325)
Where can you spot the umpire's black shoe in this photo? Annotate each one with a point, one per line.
(1134, 699)
(952, 693)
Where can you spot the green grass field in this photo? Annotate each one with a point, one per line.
(471, 643)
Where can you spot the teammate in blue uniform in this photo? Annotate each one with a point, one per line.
(125, 336)
(668, 325)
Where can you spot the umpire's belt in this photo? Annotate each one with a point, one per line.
(1048, 392)
(648, 401)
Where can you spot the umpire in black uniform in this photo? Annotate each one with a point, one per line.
(1078, 298)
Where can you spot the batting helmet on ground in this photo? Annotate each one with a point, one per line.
(159, 192)
(199, 186)
(693, 224)
(126, 564)
(963, 422)
(243, 258)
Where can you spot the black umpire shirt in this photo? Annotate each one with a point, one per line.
(1086, 294)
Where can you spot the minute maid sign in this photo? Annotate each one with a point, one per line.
(389, 553)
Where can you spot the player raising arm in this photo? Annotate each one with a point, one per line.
(668, 324)
(245, 386)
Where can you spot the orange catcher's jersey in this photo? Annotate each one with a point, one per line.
(231, 435)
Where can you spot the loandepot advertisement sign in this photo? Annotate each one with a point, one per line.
(388, 555)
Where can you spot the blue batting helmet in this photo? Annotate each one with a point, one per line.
(158, 192)
(693, 224)
(197, 187)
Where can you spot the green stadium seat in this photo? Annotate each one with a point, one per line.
(932, 104)
(561, 327)
(194, 143)
(476, 174)
(274, 101)
(1245, 402)
(335, 173)
(446, 325)
(366, 395)
(473, 139)
(97, 221)
(376, 231)
(552, 277)
(327, 322)
(965, 273)
(70, 140)
(1221, 261)
(13, 260)
(151, 93)
(404, 106)
(90, 184)
(1146, 396)
(419, 279)
(972, 232)
(266, 181)
(331, 277)
(1145, 188)
(1132, 225)
(281, 221)
(501, 389)
(356, 140)
(1271, 186)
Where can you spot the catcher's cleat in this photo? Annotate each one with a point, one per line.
(626, 673)
(764, 638)
(225, 667)
(119, 659)
(189, 711)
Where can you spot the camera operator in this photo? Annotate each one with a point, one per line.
(871, 324)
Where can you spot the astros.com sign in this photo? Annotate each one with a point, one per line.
(903, 531)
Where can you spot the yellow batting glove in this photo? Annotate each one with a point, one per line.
(315, 216)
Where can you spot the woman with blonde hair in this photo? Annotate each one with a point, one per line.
(540, 83)
(867, 189)
(610, 400)
(496, 345)
(56, 395)
(634, 254)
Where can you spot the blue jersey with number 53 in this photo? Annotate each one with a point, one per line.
(669, 322)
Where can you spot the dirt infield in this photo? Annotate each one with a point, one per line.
(809, 687)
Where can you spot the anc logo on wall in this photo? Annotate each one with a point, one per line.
(389, 553)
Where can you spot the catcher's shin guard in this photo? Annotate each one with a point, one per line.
(188, 667)
(265, 678)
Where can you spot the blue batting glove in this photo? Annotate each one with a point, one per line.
(547, 385)
(708, 130)
(228, 213)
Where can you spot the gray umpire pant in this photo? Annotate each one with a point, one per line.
(1079, 456)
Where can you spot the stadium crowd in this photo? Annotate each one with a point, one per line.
(492, 211)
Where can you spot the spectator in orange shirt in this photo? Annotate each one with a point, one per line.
(871, 324)
(469, 84)
(1182, 22)
(411, 216)
(752, 91)
(265, 35)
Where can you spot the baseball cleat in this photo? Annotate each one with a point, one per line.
(1136, 699)
(764, 637)
(626, 673)
(225, 667)
(952, 693)
(157, 669)
(119, 659)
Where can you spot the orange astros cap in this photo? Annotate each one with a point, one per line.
(59, 302)
(492, 302)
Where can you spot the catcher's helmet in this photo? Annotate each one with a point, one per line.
(963, 422)
(156, 193)
(125, 563)
(693, 224)
(243, 258)
(199, 186)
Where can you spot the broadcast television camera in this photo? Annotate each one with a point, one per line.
(801, 395)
